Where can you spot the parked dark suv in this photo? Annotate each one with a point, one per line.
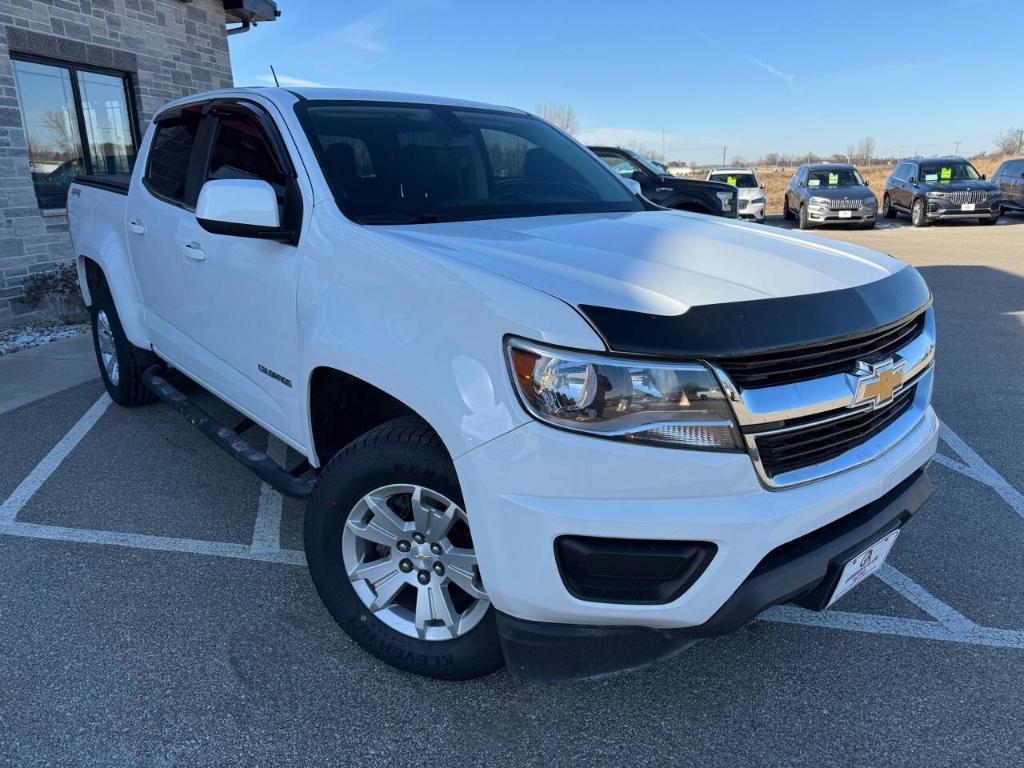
(1010, 178)
(715, 198)
(935, 188)
(829, 193)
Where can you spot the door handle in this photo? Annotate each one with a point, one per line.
(136, 227)
(193, 251)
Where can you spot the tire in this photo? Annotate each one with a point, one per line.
(918, 217)
(120, 362)
(887, 210)
(786, 213)
(803, 222)
(371, 481)
(868, 224)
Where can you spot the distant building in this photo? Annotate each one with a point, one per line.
(79, 80)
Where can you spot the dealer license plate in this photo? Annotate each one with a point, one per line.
(845, 214)
(967, 207)
(863, 565)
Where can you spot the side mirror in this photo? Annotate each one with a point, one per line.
(801, 183)
(867, 183)
(240, 207)
(633, 185)
(912, 180)
(983, 177)
(762, 185)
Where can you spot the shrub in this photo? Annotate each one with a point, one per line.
(56, 294)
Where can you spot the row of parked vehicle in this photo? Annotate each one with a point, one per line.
(818, 194)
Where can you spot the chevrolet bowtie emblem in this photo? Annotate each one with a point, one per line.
(878, 383)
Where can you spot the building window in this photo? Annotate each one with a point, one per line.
(61, 103)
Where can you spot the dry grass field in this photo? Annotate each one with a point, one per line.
(777, 179)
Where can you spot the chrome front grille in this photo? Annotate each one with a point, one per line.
(846, 204)
(973, 196)
(799, 447)
(802, 412)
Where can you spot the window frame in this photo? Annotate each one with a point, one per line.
(73, 68)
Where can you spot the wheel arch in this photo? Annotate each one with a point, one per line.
(342, 407)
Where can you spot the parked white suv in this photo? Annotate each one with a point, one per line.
(749, 191)
(546, 424)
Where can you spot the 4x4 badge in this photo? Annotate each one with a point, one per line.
(878, 383)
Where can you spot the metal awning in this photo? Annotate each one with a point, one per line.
(250, 11)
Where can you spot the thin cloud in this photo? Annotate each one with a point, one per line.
(288, 81)
(363, 33)
(775, 72)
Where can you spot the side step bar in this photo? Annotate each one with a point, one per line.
(265, 468)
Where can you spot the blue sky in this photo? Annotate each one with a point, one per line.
(754, 76)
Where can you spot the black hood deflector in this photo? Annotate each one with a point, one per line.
(716, 331)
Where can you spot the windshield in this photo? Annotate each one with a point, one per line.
(943, 173)
(656, 168)
(411, 164)
(737, 179)
(835, 177)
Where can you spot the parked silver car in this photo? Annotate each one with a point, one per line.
(829, 193)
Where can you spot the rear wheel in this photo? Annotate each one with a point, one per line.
(390, 550)
(119, 360)
(887, 210)
(918, 217)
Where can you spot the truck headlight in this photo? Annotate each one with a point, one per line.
(725, 198)
(819, 201)
(669, 405)
(870, 202)
(936, 195)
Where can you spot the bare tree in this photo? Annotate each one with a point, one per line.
(1011, 142)
(866, 151)
(561, 116)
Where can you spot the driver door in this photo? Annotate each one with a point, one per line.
(239, 305)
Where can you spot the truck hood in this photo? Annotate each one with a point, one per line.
(660, 263)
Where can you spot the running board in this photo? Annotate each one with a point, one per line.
(265, 468)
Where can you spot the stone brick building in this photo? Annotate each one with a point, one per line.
(79, 80)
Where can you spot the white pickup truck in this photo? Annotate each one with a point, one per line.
(548, 424)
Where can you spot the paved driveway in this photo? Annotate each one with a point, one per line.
(154, 609)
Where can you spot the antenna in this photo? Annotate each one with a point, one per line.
(275, 76)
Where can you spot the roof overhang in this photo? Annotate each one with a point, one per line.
(250, 11)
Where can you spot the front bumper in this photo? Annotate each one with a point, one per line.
(529, 487)
(944, 209)
(804, 571)
(754, 211)
(821, 215)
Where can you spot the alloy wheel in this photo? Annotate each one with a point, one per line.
(409, 554)
(108, 347)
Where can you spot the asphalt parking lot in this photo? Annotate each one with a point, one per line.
(155, 610)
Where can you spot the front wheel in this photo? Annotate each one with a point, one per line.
(804, 222)
(918, 217)
(391, 554)
(786, 213)
(992, 219)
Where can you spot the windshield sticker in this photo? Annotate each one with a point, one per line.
(813, 182)
(947, 173)
(833, 179)
(930, 177)
(731, 180)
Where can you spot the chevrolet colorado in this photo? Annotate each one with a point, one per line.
(549, 425)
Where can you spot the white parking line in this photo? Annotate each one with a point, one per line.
(158, 543)
(266, 533)
(978, 469)
(27, 487)
(946, 615)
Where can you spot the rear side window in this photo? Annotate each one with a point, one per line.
(170, 153)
